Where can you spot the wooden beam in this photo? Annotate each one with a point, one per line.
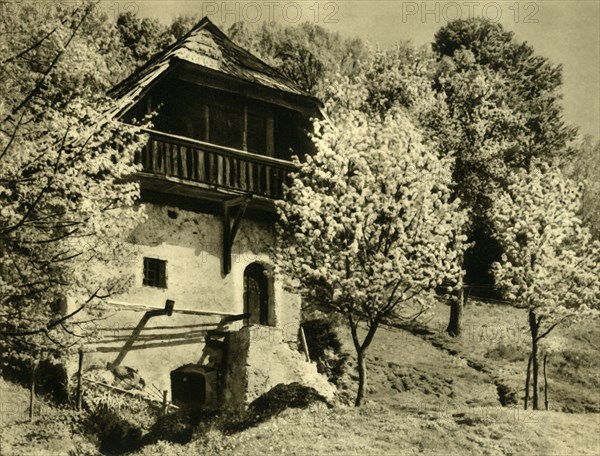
(230, 230)
(145, 307)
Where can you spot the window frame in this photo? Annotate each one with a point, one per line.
(158, 267)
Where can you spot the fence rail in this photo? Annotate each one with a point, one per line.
(221, 167)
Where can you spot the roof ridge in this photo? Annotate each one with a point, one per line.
(215, 52)
(205, 22)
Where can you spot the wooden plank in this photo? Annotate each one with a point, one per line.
(155, 158)
(243, 180)
(220, 169)
(227, 171)
(175, 159)
(168, 167)
(235, 172)
(184, 163)
(268, 180)
(206, 123)
(270, 136)
(259, 174)
(251, 167)
(146, 154)
(200, 166)
(211, 168)
(192, 157)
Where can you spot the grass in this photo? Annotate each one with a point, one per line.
(427, 393)
(376, 429)
(497, 338)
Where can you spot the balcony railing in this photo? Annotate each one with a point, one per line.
(218, 167)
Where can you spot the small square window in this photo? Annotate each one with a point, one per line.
(155, 273)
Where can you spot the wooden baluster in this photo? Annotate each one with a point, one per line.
(193, 157)
(143, 154)
(226, 171)
(243, 168)
(168, 168)
(268, 180)
(220, 169)
(184, 163)
(200, 165)
(175, 164)
(235, 173)
(259, 176)
(155, 158)
(166, 158)
(211, 168)
(165, 152)
(146, 154)
(192, 163)
(251, 176)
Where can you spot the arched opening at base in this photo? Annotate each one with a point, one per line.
(188, 386)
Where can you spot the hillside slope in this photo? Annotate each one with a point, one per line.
(427, 394)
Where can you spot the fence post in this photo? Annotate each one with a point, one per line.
(34, 365)
(165, 403)
(545, 383)
(79, 381)
(304, 344)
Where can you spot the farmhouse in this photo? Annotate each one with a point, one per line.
(206, 318)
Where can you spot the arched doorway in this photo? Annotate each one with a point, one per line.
(188, 386)
(256, 294)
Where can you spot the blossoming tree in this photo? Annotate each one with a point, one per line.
(67, 204)
(550, 262)
(367, 228)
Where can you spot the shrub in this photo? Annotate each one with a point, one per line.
(508, 352)
(271, 404)
(177, 427)
(115, 434)
(325, 348)
(136, 410)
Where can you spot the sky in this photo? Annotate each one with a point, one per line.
(566, 32)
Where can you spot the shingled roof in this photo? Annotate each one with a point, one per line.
(207, 46)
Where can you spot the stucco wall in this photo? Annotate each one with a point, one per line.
(191, 243)
(263, 360)
(164, 344)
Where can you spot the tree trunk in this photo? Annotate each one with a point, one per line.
(79, 395)
(34, 366)
(545, 382)
(456, 311)
(533, 325)
(362, 377)
(361, 352)
(527, 382)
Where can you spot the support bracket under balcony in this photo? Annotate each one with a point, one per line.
(233, 211)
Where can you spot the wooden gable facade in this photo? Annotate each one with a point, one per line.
(226, 123)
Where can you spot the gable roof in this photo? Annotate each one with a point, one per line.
(205, 45)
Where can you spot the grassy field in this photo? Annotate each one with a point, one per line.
(427, 394)
(376, 429)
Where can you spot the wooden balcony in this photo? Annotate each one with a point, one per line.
(184, 160)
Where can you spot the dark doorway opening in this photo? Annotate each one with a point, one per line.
(256, 294)
(188, 386)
